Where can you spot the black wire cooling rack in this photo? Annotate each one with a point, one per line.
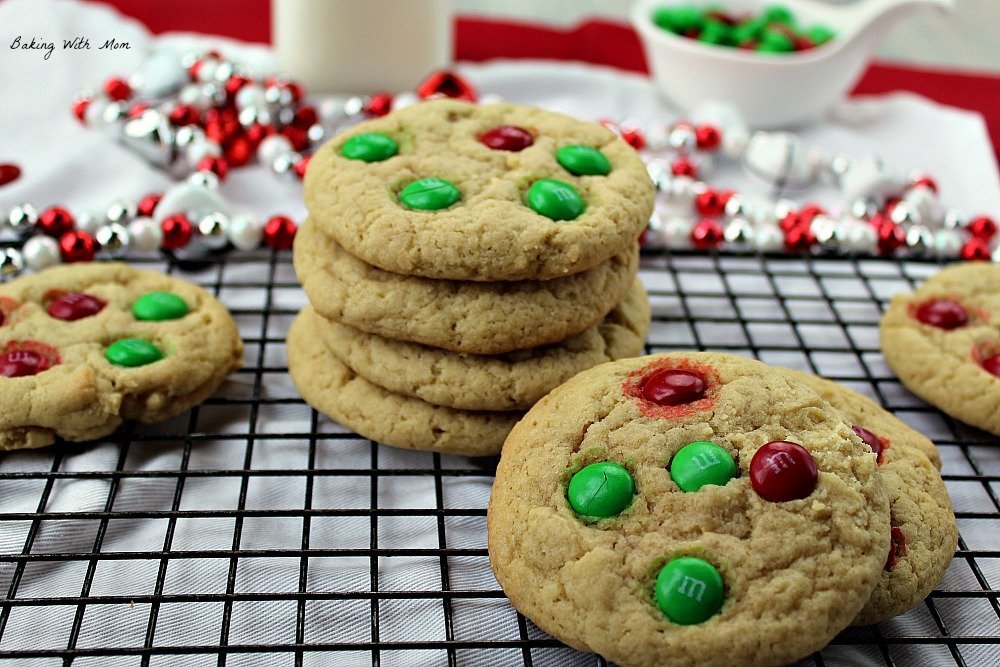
(253, 531)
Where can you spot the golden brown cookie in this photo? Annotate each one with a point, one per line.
(84, 347)
(943, 341)
(466, 317)
(515, 192)
(513, 381)
(688, 509)
(923, 531)
(377, 414)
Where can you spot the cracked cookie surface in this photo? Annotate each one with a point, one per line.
(491, 232)
(84, 347)
(796, 550)
(943, 341)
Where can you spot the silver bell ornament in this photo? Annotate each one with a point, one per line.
(22, 218)
(151, 136)
(114, 240)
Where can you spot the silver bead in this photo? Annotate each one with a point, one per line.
(188, 135)
(271, 147)
(11, 263)
(919, 240)
(682, 138)
(677, 232)
(213, 94)
(316, 133)
(829, 233)
(121, 211)
(205, 179)
(278, 95)
(112, 113)
(199, 150)
(954, 219)
(768, 238)
(284, 164)
(250, 95)
(114, 240)
(223, 71)
(213, 229)
(682, 190)
(739, 232)
(285, 115)
(353, 106)
(784, 207)
(656, 138)
(904, 214)
(255, 115)
(736, 206)
(947, 243)
(659, 173)
(859, 237)
(22, 218)
(245, 232)
(90, 221)
(206, 71)
(41, 252)
(863, 208)
(191, 94)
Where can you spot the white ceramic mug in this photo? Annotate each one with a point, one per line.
(361, 46)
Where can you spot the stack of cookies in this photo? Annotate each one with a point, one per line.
(460, 262)
(706, 509)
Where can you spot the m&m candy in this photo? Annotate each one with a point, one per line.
(689, 590)
(369, 147)
(159, 306)
(701, 463)
(132, 352)
(555, 199)
(601, 490)
(430, 194)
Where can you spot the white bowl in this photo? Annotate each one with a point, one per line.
(770, 90)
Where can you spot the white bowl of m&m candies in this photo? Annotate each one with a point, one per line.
(779, 64)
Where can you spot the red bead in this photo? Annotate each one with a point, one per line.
(193, 69)
(80, 108)
(233, 85)
(711, 202)
(238, 150)
(301, 166)
(446, 84)
(897, 548)
(781, 471)
(925, 182)
(890, 236)
(707, 233)
(789, 222)
(117, 89)
(137, 109)
(55, 221)
(799, 238)
(708, 137)
(974, 250)
(20, 363)
(177, 232)
(77, 246)
(982, 227)
(297, 137)
(305, 117)
(634, 138)
(871, 440)
(379, 104)
(810, 211)
(684, 167)
(295, 89)
(887, 209)
(220, 124)
(74, 306)
(279, 232)
(256, 133)
(643, 238)
(147, 204)
(944, 314)
(673, 386)
(184, 114)
(507, 138)
(216, 165)
(992, 365)
(9, 173)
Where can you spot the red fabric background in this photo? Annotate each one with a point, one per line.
(600, 42)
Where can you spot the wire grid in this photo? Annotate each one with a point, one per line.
(819, 315)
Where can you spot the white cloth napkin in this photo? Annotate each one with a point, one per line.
(66, 164)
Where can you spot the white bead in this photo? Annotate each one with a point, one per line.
(145, 234)
(954, 219)
(41, 252)
(189, 134)
(682, 138)
(206, 70)
(401, 101)
(677, 232)
(245, 232)
(682, 190)
(925, 204)
(488, 98)
(768, 238)
(250, 95)
(995, 257)
(316, 133)
(200, 150)
(191, 94)
(353, 106)
(919, 240)
(90, 221)
(204, 179)
(784, 207)
(656, 138)
(94, 112)
(271, 147)
(859, 238)
(739, 232)
(331, 111)
(947, 243)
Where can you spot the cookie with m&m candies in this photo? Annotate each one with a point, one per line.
(450, 190)
(688, 508)
(84, 347)
(943, 341)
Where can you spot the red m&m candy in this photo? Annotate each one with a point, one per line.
(871, 440)
(74, 306)
(23, 358)
(781, 471)
(673, 386)
(507, 138)
(897, 549)
(992, 365)
(945, 314)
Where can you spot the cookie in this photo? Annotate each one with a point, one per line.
(943, 341)
(84, 347)
(448, 189)
(923, 531)
(466, 317)
(513, 381)
(687, 509)
(377, 414)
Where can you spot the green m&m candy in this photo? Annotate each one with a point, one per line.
(687, 17)
(369, 147)
(773, 41)
(555, 199)
(715, 32)
(583, 160)
(689, 590)
(779, 14)
(159, 306)
(702, 463)
(819, 34)
(430, 194)
(601, 490)
(132, 352)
